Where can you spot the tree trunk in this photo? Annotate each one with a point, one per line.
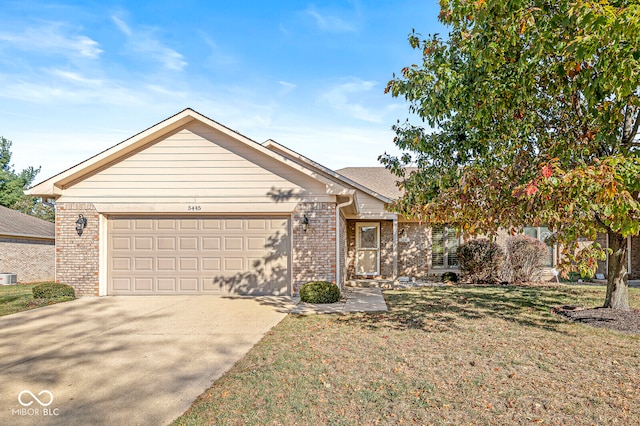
(617, 285)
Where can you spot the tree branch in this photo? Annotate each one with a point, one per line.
(599, 221)
(630, 126)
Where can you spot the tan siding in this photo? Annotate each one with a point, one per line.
(198, 164)
(370, 207)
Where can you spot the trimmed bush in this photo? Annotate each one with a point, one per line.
(480, 261)
(526, 256)
(319, 292)
(53, 291)
(449, 276)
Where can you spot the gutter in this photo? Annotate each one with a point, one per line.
(338, 207)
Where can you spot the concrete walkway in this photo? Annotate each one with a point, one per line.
(355, 299)
(126, 360)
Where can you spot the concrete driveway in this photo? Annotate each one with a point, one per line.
(127, 360)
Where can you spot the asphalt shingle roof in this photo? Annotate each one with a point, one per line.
(15, 223)
(377, 179)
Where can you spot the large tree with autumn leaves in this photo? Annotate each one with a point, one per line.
(527, 113)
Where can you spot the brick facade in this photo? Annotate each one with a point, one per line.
(314, 250)
(32, 260)
(77, 257)
(413, 255)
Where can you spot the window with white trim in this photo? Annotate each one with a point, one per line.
(541, 233)
(444, 247)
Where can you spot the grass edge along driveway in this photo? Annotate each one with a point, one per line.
(18, 298)
(441, 355)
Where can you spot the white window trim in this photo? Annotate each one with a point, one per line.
(445, 255)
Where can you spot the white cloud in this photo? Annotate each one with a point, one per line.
(121, 25)
(339, 98)
(286, 87)
(143, 41)
(329, 22)
(75, 77)
(53, 38)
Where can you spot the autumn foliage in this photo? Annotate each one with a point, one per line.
(527, 115)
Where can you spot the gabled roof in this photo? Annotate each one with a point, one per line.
(378, 179)
(54, 186)
(361, 185)
(16, 224)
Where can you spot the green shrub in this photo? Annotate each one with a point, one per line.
(449, 276)
(53, 291)
(319, 292)
(480, 260)
(526, 256)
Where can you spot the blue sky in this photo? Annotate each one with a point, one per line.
(77, 77)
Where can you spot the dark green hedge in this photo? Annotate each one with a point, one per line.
(319, 292)
(53, 291)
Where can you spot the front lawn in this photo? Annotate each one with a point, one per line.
(441, 355)
(16, 298)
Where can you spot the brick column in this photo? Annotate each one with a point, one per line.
(77, 257)
(314, 251)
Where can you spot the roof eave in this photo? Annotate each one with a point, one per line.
(271, 143)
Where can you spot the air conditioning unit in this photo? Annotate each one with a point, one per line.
(8, 278)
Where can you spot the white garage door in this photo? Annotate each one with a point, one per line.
(186, 255)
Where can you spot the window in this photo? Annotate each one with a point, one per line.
(444, 247)
(541, 233)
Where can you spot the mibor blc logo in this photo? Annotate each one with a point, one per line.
(35, 404)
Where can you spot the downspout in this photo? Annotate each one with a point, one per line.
(338, 207)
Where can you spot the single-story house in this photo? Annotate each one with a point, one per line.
(27, 246)
(190, 206)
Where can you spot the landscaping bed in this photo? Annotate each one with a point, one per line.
(17, 298)
(441, 355)
(625, 321)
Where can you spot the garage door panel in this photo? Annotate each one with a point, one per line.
(173, 255)
(143, 225)
(211, 264)
(166, 243)
(121, 243)
(189, 243)
(233, 224)
(121, 264)
(233, 243)
(211, 224)
(233, 265)
(188, 284)
(211, 243)
(167, 264)
(257, 224)
(143, 243)
(189, 224)
(188, 264)
(168, 285)
(256, 243)
(122, 284)
(143, 264)
(167, 224)
(144, 284)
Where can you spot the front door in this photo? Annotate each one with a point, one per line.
(367, 248)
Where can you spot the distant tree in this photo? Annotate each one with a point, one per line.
(529, 113)
(12, 185)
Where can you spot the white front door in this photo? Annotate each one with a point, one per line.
(367, 248)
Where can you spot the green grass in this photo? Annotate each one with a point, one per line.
(441, 355)
(17, 298)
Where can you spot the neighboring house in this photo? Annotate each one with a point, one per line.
(190, 206)
(27, 246)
